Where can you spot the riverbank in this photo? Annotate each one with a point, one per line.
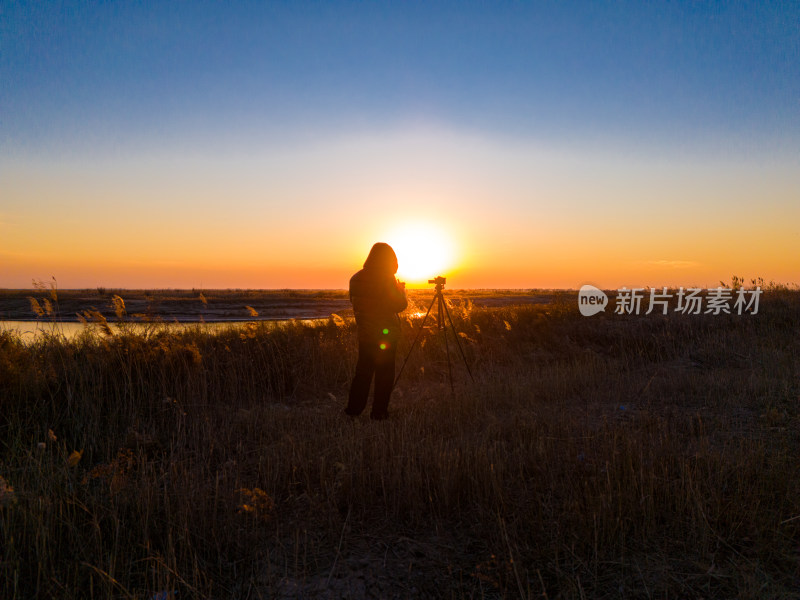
(211, 306)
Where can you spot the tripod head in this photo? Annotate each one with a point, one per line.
(439, 282)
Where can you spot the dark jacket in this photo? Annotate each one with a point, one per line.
(376, 298)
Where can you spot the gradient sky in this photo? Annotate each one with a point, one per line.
(268, 145)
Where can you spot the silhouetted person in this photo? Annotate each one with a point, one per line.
(377, 297)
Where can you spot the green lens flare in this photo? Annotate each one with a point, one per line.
(385, 331)
(383, 346)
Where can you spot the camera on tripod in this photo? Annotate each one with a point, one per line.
(442, 313)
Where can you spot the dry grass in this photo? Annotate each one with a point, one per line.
(603, 457)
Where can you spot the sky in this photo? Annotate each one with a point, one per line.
(502, 144)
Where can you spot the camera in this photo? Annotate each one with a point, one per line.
(438, 281)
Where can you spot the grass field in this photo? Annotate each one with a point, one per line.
(603, 457)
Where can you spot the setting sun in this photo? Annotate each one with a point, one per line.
(423, 251)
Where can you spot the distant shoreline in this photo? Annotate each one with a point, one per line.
(221, 306)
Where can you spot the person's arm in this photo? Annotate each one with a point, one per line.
(399, 300)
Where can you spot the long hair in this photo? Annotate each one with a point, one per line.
(381, 258)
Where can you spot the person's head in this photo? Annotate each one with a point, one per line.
(381, 258)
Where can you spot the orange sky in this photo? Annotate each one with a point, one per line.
(510, 214)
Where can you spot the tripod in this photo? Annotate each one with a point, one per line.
(441, 312)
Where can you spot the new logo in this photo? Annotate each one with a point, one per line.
(591, 300)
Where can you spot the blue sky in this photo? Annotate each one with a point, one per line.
(121, 72)
(297, 114)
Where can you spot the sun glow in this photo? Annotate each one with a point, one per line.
(423, 252)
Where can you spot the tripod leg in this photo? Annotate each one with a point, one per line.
(458, 343)
(414, 343)
(446, 347)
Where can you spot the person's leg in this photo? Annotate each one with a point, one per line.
(384, 381)
(359, 389)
